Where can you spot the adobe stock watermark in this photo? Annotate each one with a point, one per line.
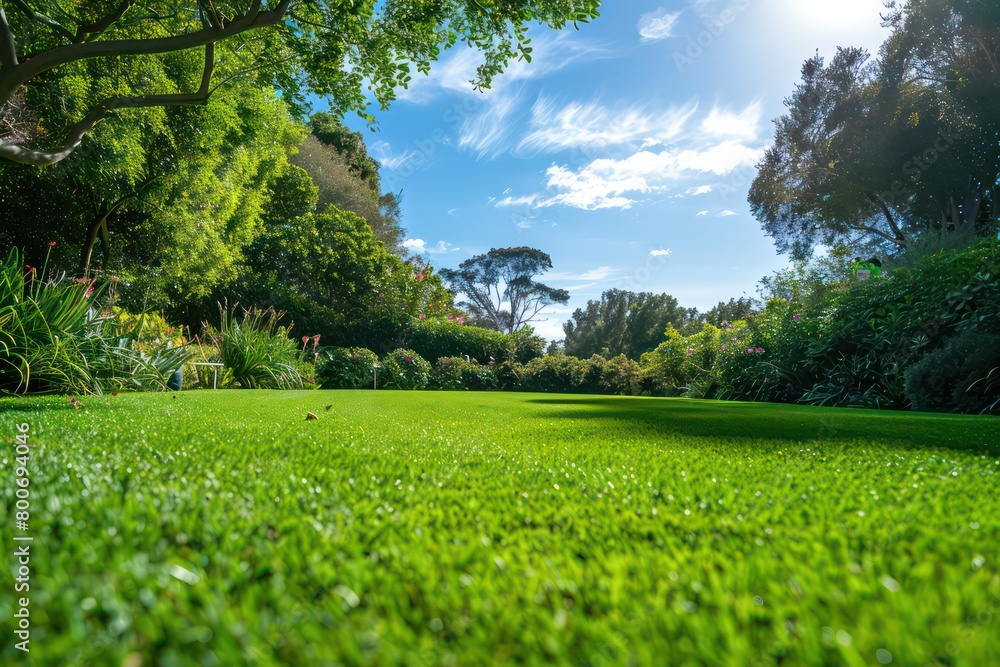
(713, 27)
(22, 540)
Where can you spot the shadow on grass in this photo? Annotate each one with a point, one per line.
(781, 422)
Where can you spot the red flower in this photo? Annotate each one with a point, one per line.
(420, 276)
(408, 359)
(422, 316)
(52, 244)
(305, 339)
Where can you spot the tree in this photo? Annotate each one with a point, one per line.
(879, 154)
(624, 322)
(730, 311)
(499, 288)
(336, 50)
(172, 211)
(348, 178)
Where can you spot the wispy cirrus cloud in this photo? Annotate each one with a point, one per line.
(725, 214)
(660, 253)
(657, 24)
(594, 125)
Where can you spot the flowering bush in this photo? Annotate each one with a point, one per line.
(404, 369)
(346, 368)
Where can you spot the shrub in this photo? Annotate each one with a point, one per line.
(437, 338)
(54, 338)
(554, 373)
(620, 375)
(346, 368)
(256, 351)
(404, 369)
(447, 373)
(956, 376)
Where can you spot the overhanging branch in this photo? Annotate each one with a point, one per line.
(12, 78)
(105, 109)
(8, 49)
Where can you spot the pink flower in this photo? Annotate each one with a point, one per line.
(447, 361)
(451, 318)
(690, 351)
(420, 276)
(492, 362)
(305, 339)
(422, 316)
(765, 379)
(749, 350)
(408, 359)
(52, 244)
(760, 350)
(723, 346)
(389, 271)
(381, 294)
(357, 356)
(316, 340)
(795, 317)
(461, 320)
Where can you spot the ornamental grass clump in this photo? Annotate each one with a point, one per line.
(256, 350)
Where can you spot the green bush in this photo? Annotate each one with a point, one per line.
(955, 377)
(256, 350)
(346, 368)
(554, 373)
(404, 369)
(620, 376)
(447, 373)
(437, 338)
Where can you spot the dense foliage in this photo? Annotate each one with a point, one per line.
(887, 152)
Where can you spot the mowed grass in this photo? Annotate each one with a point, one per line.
(222, 528)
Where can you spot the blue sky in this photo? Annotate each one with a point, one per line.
(624, 150)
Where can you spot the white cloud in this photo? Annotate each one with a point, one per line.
(657, 24)
(700, 190)
(526, 200)
(725, 214)
(487, 132)
(604, 182)
(595, 125)
(455, 71)
(600, 273)
(702, 212)
(382, 151)
(660, 253)
(419, 246)
(740, 126)
(525, 224)
(580, 287)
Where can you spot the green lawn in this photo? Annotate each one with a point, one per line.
(222, 528)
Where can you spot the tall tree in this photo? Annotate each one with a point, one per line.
(337, 50)
(348, 178)
(882, 153)
(623, 322)
(500, 289)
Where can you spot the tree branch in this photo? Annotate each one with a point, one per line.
(47, 60)
(35, 17)
(105, 109)
(8, 49)
(90, 30)
(888, 216)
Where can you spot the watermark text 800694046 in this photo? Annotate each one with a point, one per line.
(22, 540)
